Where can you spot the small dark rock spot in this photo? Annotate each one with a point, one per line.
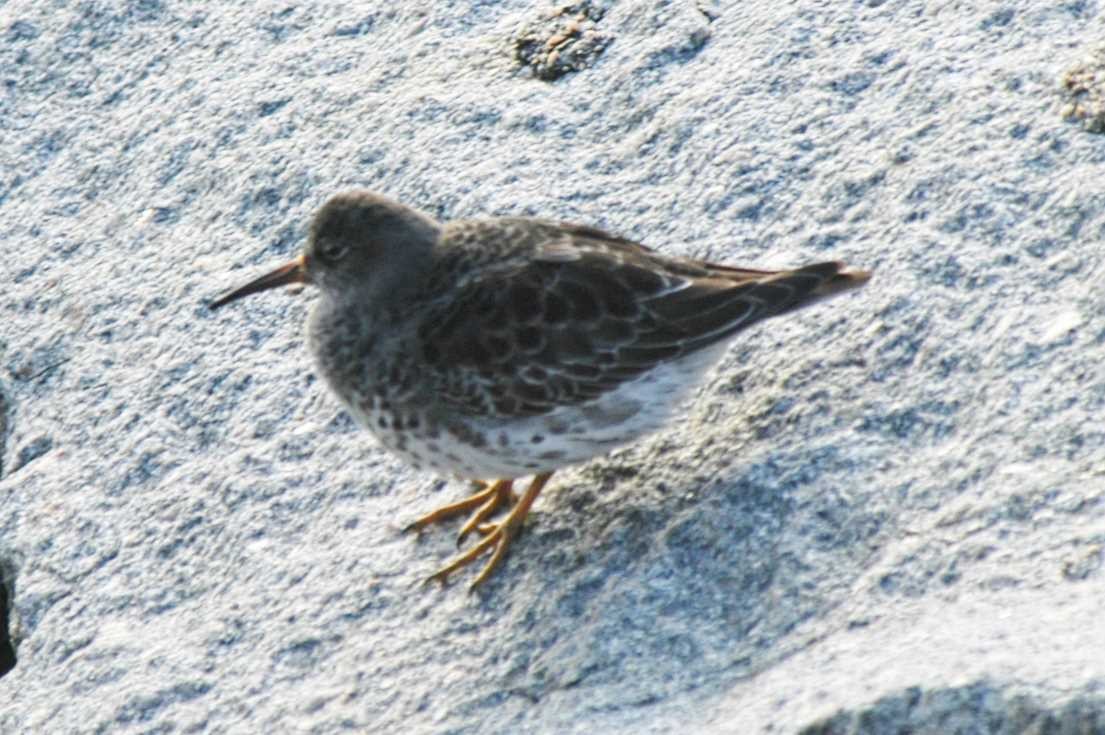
(21, 30)
(32, 451)
(267, 108)
(999, 19)
(359, 28)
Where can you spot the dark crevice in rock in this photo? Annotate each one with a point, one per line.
(3, 429)
(7, 601)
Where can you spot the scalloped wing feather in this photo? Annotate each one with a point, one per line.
(586, 312)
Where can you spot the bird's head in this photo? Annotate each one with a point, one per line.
(361, 245)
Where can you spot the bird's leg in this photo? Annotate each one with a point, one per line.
(490, 497)
(498, 536)
(504, 494)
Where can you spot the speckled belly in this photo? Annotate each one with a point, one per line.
(483, 448)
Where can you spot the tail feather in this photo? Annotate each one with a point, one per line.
(830, 278)
(714, 308)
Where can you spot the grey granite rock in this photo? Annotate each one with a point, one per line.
(883, 516)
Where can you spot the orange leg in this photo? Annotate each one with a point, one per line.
(497, 536)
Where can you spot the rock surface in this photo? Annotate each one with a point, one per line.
(880, 515)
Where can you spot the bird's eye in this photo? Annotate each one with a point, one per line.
(332, 251)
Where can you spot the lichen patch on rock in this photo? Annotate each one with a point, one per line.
(565, 40)
(1083, 90)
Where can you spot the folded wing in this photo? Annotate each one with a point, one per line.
(590, 312)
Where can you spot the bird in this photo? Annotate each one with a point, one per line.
(503, 348)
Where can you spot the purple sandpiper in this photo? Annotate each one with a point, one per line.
(512, 347)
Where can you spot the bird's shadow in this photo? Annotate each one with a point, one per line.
(647, 579)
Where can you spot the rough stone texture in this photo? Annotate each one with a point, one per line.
(883, 515)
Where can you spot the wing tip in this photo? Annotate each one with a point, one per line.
(839, 279)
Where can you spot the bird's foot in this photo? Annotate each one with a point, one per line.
(496, 536)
